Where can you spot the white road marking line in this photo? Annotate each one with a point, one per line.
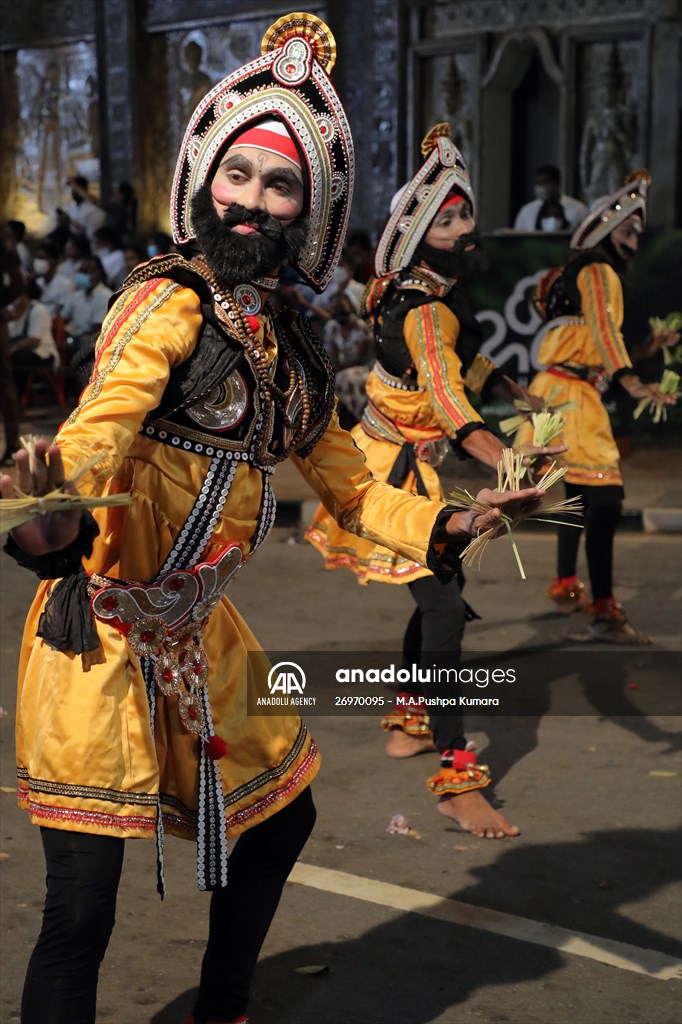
(398, 897)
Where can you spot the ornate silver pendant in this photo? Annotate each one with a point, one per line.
(248, 298)
(223, 407)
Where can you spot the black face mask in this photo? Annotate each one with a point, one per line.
(455, 262)
(235, 258)
(342, 318)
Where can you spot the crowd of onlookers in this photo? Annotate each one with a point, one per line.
(55, 293)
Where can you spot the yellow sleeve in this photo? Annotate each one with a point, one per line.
(478, 373)
(431, 332)
(602, 303)
(337, 472)
(147, 332)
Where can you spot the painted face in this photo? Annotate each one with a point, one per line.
(449, 224)
(258, 180)
(625, 238)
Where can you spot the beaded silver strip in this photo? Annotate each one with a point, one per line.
(150, 687)
(196, 532)
(394, 382)
(267, 513)
(211, 822)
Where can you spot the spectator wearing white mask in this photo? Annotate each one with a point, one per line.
(85, 310)
(551, 210)
(55, 287)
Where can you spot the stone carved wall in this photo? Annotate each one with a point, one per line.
(610, 101)
(188, 60)
(58, 136)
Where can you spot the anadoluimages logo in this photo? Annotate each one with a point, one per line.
(286, 677)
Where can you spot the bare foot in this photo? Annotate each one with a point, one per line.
(399, 744)
(473, 813)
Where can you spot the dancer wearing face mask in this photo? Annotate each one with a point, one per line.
(551, 209)
(427, 343)
(583, 351)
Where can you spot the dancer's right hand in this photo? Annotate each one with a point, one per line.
(42, 533)
(510, 503)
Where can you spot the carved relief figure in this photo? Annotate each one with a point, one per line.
(46, 115)
(458, 108)
(609, 142)
(194, 81)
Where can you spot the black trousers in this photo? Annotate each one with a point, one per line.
(603, 506)
(433, 641)
(23, 362)
(83, 874)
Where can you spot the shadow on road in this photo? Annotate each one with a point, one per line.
(412, 970)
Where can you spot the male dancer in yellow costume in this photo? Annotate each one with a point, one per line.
(427, 356)
(135, 720)
(581, 352)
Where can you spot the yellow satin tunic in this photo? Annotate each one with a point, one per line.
(593, 340)
(86, 757)
(438, 409)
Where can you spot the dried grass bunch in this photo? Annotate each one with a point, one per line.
(16, 511)
(669, 385)
(510, 472)
(671, 322)
(527, 413)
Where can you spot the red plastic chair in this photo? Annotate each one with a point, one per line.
(54, 377)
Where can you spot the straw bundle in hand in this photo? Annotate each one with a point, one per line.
(671, 322)
(669, 385)
(24, 507)
(510, 471)
(526, 412)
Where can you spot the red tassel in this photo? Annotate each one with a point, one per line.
(215, 747)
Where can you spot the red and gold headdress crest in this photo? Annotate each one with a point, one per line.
(417, 203)
(289, 82)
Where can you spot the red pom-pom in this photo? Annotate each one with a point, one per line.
(462, 759)
(215, 748)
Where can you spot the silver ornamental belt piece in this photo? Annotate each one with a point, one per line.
(433, 452)
(165, 621)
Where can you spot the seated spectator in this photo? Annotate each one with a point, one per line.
(55, 286)
(76, 249)
(122, 213)
(159, 244)
(85, 310)
(106, 247)
(361, 250)
(11, 285)
(14, 233)
(350, 347)
(547, 195)
(30, 336)
(133, 254)
(343, 282)
(86, 215)
(60, 234)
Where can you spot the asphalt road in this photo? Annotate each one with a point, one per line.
(577, 921)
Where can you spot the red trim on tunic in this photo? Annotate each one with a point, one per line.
(432, 355)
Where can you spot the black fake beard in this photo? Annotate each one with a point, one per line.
(236, 258)
(455, 262)
(619, 264)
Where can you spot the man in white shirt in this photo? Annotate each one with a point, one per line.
(55, 288)
(106, 246)
(541, 213)
(85, 216)
(85, 310)
(30, 338)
